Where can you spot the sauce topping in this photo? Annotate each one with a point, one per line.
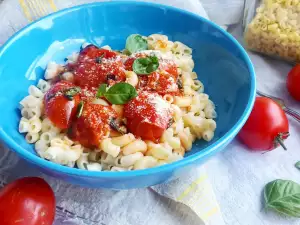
(93, 125)
(97, 66)
(147, 115)
(163, 81)
(61, 103)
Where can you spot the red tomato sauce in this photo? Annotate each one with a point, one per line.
(160, 83)
(58, 108)
(93, 125)
(163, 81)
(148, 116)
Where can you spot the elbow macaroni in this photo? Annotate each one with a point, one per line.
(192, 117)
(275, 29)
(107, 146)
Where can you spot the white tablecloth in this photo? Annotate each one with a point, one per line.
(238, 176)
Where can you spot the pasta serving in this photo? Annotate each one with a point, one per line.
(108, 110)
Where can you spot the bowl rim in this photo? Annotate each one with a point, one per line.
(205, 152)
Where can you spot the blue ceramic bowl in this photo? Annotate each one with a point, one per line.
(221, 63)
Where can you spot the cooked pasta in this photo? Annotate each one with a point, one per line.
(127, 118)
(145, 162)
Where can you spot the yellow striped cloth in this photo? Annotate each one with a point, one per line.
(34, 9)
(194, 191)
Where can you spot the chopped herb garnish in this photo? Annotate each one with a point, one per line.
(69, 93)
(179, 83)
(99, 59)
(85, 165)
(117, 125)
(119, 161)
(110, 77)
(80, 109)
(197, 114)
(171, 121)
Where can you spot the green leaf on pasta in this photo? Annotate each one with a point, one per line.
(144, 66)
(118, 94)
(136, 43)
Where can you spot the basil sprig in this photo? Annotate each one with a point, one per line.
(118, 94)
(283, 196)
(145, 65)
(136, 43)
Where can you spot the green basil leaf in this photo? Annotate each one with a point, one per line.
(283, 196)
(101, 90)
(297, 165)
(145, 65)
(120, 93)
(145, 61)
(136, 43)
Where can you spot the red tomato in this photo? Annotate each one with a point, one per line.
(97, 66)
(128, 63)
(266, 127)
(92, 74)
(163, 81)
(293, 82)
(147, 116)
(88, 94)
(169, 67)
(93, 125)
(92, 52)
(159, 82)
(27, 201)
(58, 108)
(165, 65)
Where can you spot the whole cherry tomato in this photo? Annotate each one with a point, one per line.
(266, 127)
(61, 103)
(147, 116)
(96, 66)
(293, 82)
(27, 201)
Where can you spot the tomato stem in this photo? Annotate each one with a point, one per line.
(280, 141)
